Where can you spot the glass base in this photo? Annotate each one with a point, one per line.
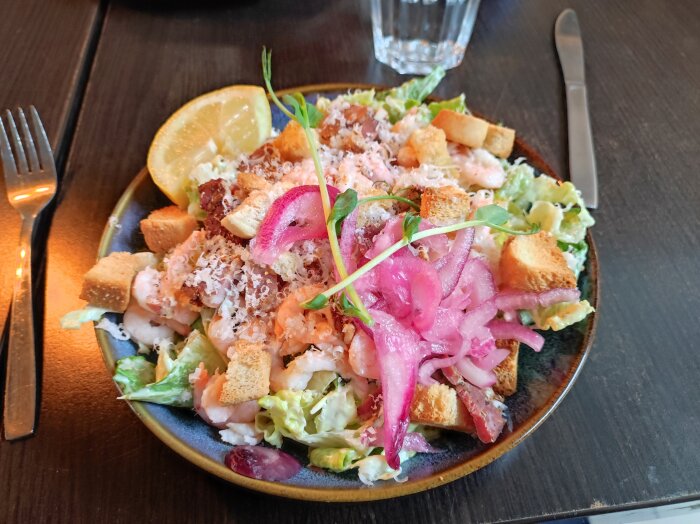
(418, 57)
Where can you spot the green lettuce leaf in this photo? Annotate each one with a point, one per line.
(175, 389)
(454, 104)
(334, 459)
(559, 316)
(397, 101)
(575, 255)
(555, 206)
(133, 373)
(417, 89)
(373, 468)
(293, 414)
(336, 411)
(74, 319)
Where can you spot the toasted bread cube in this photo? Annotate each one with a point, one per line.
(430, 146)
(108, 283)
(292, 144)
(248, 182)
(406, 157)
(534, 263)
(287, 266)
(507, 371)
(245, 220)
(248, 373)
(167, 227)
(444, 205)
(439, 406)
(499, 141)
(463, 129)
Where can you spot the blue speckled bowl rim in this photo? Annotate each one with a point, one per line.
(383, 490)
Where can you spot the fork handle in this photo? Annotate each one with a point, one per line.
(20, 384)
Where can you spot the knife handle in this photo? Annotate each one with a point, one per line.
(582, 166)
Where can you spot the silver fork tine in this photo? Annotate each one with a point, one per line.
(20, 158)
(47, 160)
(8, 161)
(28, 141)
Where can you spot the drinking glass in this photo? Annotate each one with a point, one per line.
(415, 36)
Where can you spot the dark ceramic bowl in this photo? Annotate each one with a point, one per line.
(544, 378)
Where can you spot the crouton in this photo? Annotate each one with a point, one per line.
(108, 283)
(507, 371)
(430, 146)
(292, 144)
(534, 263)
(444, 205)
(167, 227)
(248, 182)
(287, 266)
(244, 221)
(439, 406)
(467, 130)
(406, 157)
(499, 141)
(248, 373)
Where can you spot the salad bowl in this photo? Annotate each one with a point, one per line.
(544, 377)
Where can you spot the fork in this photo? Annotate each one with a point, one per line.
(30, 187)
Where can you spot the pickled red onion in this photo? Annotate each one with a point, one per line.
(296, 215)
(503, 329)
(511, 299)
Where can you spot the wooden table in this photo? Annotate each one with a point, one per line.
(627, 434)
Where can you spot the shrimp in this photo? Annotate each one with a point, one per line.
(362, 356)
(148, 292)
(298, 373)
(297, 328)
(206, 392)
(477, 167)
(222, 332)
(181, 261)
(139, 323)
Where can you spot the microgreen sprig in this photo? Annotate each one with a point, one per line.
(308, 117)
(491, 216)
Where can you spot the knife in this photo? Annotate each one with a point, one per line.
(582, 169)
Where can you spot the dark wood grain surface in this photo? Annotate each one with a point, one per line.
(627, 433)
(44, 56)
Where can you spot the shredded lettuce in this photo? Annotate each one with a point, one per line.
(334, 459)
(374, 468)
(293, 414)
(336, 411)
(166, 359)
(399, 100)
(454, 104)
(74, 319)
(174, 388)
(555, 206)
(575, 255)
(559, 316)
(416, 89)
(133, 373)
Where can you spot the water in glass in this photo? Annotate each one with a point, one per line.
(414, 36)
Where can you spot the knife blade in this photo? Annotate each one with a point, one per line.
(582, 167)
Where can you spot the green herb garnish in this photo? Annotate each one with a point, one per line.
(491, 216)
(308, 116)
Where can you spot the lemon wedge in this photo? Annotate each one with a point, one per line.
(227, 122)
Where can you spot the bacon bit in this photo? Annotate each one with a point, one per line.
(355, 115)
(488, 418)
(212, 196)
